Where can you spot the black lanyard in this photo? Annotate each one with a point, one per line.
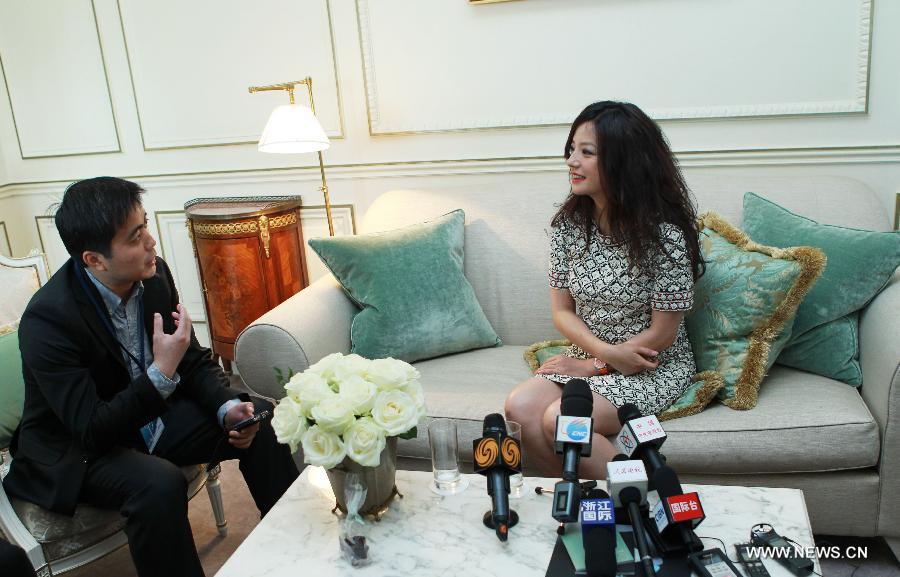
(107, 321)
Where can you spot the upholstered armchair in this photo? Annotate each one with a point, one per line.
(57, 543)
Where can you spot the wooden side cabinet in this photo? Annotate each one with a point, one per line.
(250, 255)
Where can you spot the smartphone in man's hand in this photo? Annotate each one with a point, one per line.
(240, 425)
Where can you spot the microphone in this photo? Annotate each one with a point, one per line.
(627, 481)
(676, 514)
(573, 440)
(641, 436)
(598, 534)
(497, 456)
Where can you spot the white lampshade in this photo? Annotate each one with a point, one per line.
(293, 128)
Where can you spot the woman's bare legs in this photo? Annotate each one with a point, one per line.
(526, 405)
(606, 422)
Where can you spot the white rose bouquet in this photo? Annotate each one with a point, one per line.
(347, 406)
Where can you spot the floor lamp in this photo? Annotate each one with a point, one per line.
(294, 128)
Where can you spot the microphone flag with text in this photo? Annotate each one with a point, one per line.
(627, 482)
(640, 437)
(574, 428)
(598, 533)
(497, 456)
(677, 513)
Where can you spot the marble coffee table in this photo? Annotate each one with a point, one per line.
(425, 534)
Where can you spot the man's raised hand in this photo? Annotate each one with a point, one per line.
(168, 349)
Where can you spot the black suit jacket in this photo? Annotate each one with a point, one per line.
(80, 400)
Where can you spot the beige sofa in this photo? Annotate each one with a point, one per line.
(840, 445)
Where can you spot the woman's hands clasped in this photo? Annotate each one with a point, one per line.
(629, 358)
(563, 365)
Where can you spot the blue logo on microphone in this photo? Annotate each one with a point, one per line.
(597, 512)
(577, 430)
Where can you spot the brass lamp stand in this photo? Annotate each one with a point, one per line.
(294, 128)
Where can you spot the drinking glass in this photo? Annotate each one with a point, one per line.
(517, 481)
(445, 458)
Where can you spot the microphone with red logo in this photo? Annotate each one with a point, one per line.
(672, 532)
(573, 440)
(497, 456)
(676, 515)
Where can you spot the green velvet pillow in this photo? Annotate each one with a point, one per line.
(416, 302)
(830, 350)
(703, 389)
(860, 264)
(744, 306)
(12, 386)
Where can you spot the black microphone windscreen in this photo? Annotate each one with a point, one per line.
(599, 550)
(627, 412)
(621, 457)
(577, 400)
(494, 423)
(630, 495)
(665, 481)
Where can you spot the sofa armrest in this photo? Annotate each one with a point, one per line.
(879, 353)
(308, 326)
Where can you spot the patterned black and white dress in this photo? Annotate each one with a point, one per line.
(616, 302)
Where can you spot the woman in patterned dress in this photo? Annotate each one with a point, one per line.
(624, 255)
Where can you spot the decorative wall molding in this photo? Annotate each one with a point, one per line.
(378, 125)
(310, 174)
(51, 245)
(178, 251)
(283, 59)
(314, 224)
(77, 96)
(5, 247)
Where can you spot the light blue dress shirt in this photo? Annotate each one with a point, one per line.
(129, 327)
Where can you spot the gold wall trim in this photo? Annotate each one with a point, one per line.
(37, 224)
(112, 108)
(857, 105)
(897, 213)
(882, 153)
(159, 229)
(134, 92)
(352, 208)
(9, 244)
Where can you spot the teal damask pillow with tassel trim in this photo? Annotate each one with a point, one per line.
(744, 306)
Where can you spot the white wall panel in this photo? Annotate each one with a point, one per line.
(314, 224)
(56, 79)
(191, 64)
(176, 248)
(452, 65)
(5, 248)
(51, 244)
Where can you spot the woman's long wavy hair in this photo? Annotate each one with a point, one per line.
(644, 187)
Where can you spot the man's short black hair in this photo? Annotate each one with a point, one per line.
(92, 211)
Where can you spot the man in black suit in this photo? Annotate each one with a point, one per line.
(119, 394)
